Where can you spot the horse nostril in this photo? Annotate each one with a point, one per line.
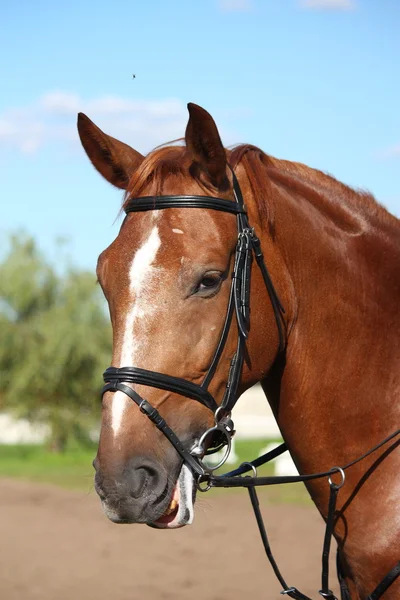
(139, 479)
(141, 474)
(137, 488)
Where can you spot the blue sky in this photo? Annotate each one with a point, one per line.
(316, 81)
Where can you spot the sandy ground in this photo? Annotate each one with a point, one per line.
(57, 545)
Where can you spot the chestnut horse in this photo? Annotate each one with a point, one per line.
(333, 254)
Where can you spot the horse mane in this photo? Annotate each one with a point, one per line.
(263, 172)
(323, 190)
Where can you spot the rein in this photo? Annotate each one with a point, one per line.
(234, 479)
(218, 436)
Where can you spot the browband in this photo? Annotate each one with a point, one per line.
(159, 202)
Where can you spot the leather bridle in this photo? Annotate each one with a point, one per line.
(220, 435)
(238, 304)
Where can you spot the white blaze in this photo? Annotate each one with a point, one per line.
(141, 273)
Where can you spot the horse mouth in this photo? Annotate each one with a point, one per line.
(180, 511)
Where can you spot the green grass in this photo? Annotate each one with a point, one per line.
(73, 469)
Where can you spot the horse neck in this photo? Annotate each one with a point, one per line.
(342, 361)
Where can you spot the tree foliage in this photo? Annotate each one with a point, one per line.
(55, 340)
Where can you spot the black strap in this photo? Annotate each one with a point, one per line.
(241, 281)
(372, 450)
(251, 243)
(385, 583)
(275, 301)
(231, 391)
(226, 482)
(344, 590)
(380, 588)
(162, 382)
(229, 480)
(222, 341)
(161, 202)
(153, 414)
(292, 592)
(325, 592)
(261, 460)
(232, 480)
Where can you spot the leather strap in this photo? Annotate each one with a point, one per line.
(241, 280)
(153, 414)
(232, 480)
(231, 390)
(226, 481)
(162, 382)
(292, 592)
(160, 202)
(261, 460)
(385, 583)
(277, 306)
(380, 588)
(325, 592)
(222, 341)
(344, 590)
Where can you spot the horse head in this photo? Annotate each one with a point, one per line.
(167, 279)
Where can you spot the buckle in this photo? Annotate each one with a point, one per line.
(145, 407)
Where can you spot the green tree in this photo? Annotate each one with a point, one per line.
(55, 340)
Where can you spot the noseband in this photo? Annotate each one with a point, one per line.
(238, 304)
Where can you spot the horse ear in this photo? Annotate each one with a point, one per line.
(204, 144)
(113, 159)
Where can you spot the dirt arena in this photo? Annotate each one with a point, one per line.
(57, 545)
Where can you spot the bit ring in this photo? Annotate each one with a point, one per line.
(223, 430)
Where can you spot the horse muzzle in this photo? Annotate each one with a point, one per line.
(143, 492)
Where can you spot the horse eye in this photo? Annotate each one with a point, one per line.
(209, 283)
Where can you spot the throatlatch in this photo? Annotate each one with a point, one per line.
(220, 435)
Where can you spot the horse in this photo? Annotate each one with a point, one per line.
(322, 339)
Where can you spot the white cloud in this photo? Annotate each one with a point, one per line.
(60, 103)
(390, 152)
(328, 4)
(52, 118)
(235, 5)
(143, 124)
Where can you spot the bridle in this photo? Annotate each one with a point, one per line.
(239, 304)
(221, 433)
